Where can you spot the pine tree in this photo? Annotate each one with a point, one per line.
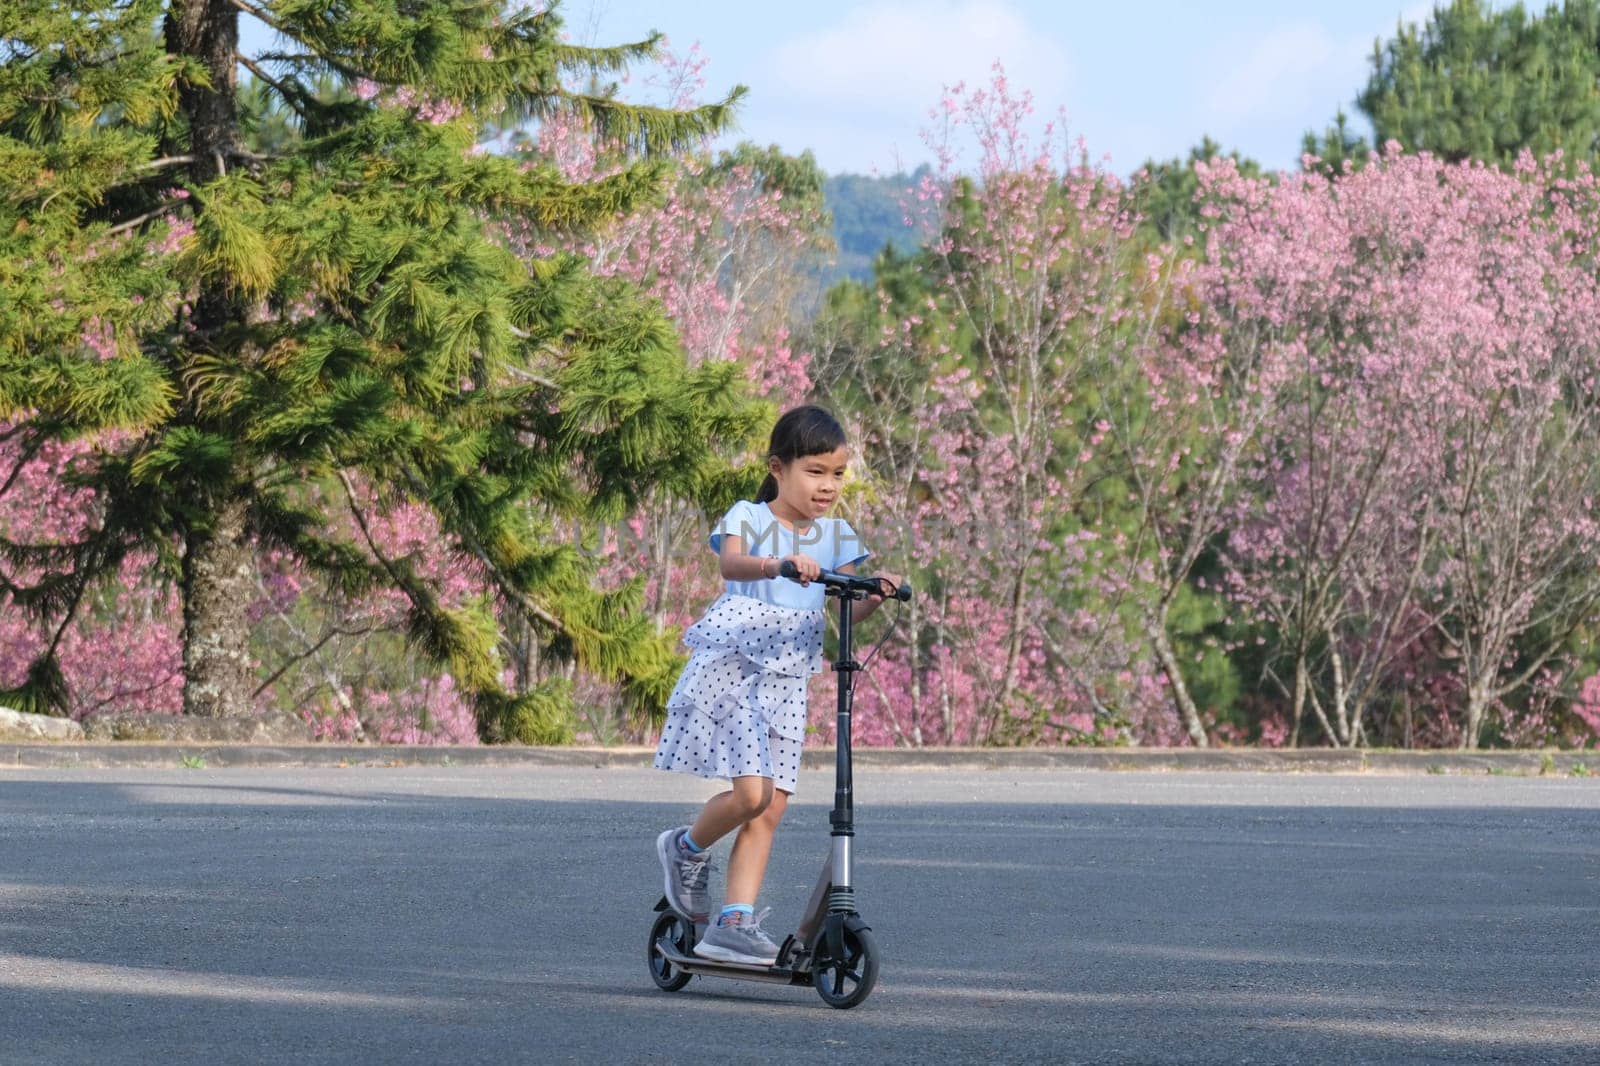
(249, 323)
(1476, 81)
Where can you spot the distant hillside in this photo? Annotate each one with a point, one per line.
(867, 214)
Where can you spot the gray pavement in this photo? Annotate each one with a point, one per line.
(134, 755)
(498, 914)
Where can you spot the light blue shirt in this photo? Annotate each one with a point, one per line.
(830, 541)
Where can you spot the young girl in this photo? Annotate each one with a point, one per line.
(739, 710)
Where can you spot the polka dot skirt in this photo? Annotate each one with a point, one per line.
(693, 744)
(739, 708)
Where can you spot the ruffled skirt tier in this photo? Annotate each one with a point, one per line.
(739, 708)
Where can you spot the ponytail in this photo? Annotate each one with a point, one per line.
(768, 490)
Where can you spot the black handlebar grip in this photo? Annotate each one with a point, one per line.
(788, 569)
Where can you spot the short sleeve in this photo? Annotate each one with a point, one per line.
(847, 546)
(740, 521)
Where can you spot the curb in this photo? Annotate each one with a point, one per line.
(132, 755)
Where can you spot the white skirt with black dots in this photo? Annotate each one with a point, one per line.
(739, 708)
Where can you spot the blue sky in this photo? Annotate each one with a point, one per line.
(853, 79)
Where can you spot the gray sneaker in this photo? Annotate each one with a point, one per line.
(746, 942)
(686, 876)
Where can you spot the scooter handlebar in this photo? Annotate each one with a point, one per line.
(834, 580)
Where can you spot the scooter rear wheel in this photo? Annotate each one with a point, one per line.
(843, 983)
(676, 931)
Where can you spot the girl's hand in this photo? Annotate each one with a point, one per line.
(887, 583)
(809, 568)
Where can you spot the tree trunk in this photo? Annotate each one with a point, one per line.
(208, 31)
(1349, 725)
(1477, 706)
(1299, 697)
(914, 642)
(1180, 692)
(947, 711)
(218, 582)
(218, 563)
(1015, 625)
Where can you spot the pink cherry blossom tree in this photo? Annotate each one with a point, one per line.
(1331, 536)
(977, 469)
(1587, 706)
(1428, 468)
(118, 652)
(1514, 413)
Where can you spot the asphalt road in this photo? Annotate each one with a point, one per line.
(456, 915)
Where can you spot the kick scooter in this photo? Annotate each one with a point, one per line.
(832, 950)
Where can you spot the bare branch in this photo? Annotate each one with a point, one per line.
(134, 223)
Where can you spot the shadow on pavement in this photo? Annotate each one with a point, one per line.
(242, 922)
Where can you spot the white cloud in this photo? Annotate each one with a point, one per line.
(891, 58)
(1281, 73)
(1294, 75)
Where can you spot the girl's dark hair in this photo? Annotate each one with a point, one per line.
(803, 431)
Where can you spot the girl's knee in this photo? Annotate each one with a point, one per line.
(773, 813)
(753, 795)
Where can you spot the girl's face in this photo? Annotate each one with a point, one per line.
(809, 485)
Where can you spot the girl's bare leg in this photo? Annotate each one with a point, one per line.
(727, 811)
(747, 866)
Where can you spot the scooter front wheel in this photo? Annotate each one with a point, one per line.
(846, 981)
(676, 931)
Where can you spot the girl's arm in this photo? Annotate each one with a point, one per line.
(737, 564)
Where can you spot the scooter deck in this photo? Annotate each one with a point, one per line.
(741, 971)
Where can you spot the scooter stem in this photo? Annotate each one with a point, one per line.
(841, 899)
(837, 878)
